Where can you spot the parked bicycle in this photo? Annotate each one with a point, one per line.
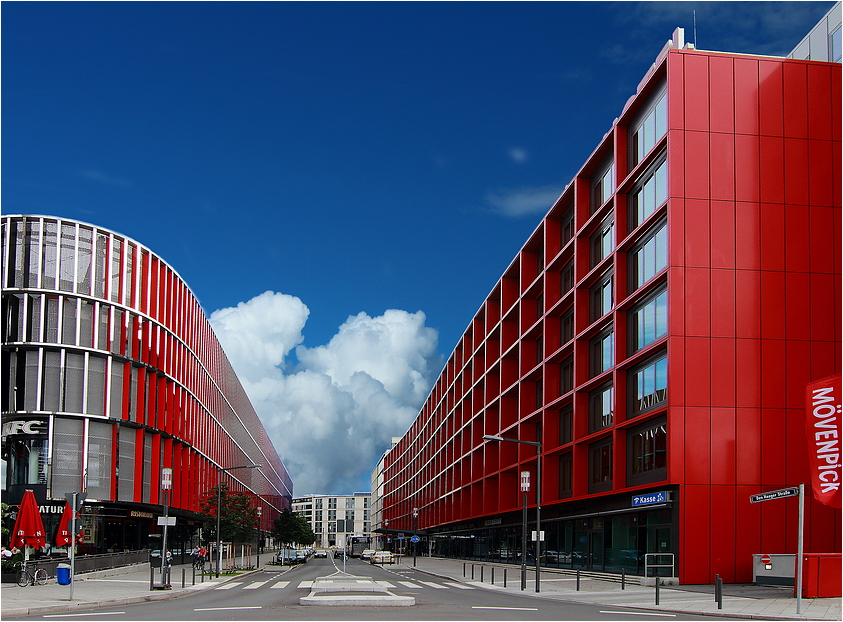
(30, 575)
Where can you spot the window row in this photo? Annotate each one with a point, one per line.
(646, 458)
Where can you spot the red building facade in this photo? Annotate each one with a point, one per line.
(112, 373)
(656, 334)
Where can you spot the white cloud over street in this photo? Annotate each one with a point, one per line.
(330, 410)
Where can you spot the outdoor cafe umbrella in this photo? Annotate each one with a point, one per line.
(29, 529)
(63, 536)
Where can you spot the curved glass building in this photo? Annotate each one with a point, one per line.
(112, 373)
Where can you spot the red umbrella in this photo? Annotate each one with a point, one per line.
(63, 537)
(29, 529)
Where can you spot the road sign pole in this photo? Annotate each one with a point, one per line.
(799, 549)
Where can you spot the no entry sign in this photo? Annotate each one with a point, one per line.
(766, 559)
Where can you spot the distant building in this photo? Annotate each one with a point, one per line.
(111, 373)
(336, 518)
(823, 43)
(656, 334)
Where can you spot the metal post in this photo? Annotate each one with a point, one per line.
(472, 572)
(151, 576)
(623, 578)
(718, 591)
(524, 544)
(73, 546)
(415, 533)
(504, 577)
(578, 579)
(259, 510)
(657, 590)
(481, 573)
(538, 513)
(493, 575)
(800, 549)
(219, 506)
(182, 578)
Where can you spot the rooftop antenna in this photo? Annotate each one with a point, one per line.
(696, 47)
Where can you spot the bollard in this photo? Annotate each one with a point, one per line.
(623, 578)
(194, 576)
(578, 579)
(718, 591)
(657, 590)
(463, 570)
(504, 577)
(472, 572)
(481, 573)
(151, 577)
(493, 575)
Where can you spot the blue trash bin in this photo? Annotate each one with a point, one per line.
(63, 574)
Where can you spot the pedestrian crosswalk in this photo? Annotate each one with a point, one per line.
(280, 585)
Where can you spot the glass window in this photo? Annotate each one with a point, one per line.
(835, 49)
(566, 376)
(603, 185)
(565, 475)
(649, 194)
(567, 277)
(649, 385)
(602, 242)
(568, 226)
(567, 326)
(649, 321)
(650, 129)
(647, 452)
(601, 408)
(649, 257)
(601, 466)
(602, 352)
(601, 297)
(566, 424)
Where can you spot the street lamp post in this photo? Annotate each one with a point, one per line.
(259, 510)
(538, 446)
(415, 534)
(166, 485)
(220, 471)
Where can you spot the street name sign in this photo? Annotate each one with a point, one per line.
(774, 494)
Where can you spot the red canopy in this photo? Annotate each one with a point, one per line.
(63, 537)
(29, 529)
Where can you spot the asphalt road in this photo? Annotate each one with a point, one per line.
(275, 596)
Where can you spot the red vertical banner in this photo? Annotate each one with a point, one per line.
(823, 404)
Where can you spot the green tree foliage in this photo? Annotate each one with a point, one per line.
(292, 528)
(238, 517)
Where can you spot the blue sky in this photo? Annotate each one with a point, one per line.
(354, 157)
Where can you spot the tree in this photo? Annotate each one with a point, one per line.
(292, 528)
(238, 517)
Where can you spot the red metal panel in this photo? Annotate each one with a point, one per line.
(748, 231)
(723, 437)
(723, 387)
(697, 176)
(798, 361)
(722, 166)
(747, 167)
(725, 533)
(696, 88)
(697, 445)
(825, 360)
(697, 233)
(773, 448)
(675, 91)
(675, 164)
(798, 469)
(748, 516)
(795, 100)
(722, 94)
(772, 309)
(822, 167)
(675, 440)
(746, 96)
(697, 302)
(772, 169)
(695, 534)
(824, 240)
(772, 369)
(820, 95)
(796, 171)
(748, 462)
(797, 313)
(698, 371)
(748, 381)
(723, 303)
(723, 234)
(836, 102)
(772, 236)
(748, 300)
(770, 98)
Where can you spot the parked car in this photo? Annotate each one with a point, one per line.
(287, 556)
(367, 553)
(382, 557)
(320, 553)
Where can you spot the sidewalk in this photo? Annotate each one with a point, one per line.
(117, 586)
(121, 586)
(739, 600)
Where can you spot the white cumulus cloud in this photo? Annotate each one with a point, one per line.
(331, 415)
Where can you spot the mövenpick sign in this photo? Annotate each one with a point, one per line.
(824, 439)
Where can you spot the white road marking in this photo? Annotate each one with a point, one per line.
(459, 586)
(228, 586)
(384, 583)
(73, 615)
(255, 585)
(641, 613)
(224, 608)
(415, 586)
(305, 584)
(509, 608)
(436, 585)
(281, 584)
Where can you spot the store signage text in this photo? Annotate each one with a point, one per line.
(655, 497)
(35, 426)
(824, 436)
